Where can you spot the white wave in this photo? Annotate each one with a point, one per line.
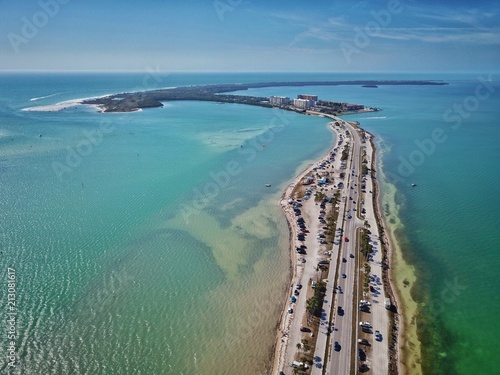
(374, 118)
(43, 97)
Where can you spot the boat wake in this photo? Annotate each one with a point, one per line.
(375, 118)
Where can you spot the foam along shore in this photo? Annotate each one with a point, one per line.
(55, 107)
(405, 355)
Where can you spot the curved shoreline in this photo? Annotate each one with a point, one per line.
(132, 101)
(282, 335)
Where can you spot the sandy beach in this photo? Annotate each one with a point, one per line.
(289, 327)
(67, 104)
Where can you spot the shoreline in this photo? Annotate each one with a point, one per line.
(282, 334)
(405, 349)
(131, 101)
(401, 277)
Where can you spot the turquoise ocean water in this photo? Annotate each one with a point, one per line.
(148, 243)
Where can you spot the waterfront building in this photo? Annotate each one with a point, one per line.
(279, 101)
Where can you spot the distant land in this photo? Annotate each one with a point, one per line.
(129, 102)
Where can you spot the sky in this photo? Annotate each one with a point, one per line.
(250, 35)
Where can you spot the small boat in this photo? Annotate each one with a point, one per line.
(413, 184)
(268, 185)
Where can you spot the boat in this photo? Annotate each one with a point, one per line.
(268, 185)
(413, 184)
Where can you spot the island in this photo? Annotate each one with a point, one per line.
(130, 102)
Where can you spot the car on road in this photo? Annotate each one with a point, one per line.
(363, 342)
(305, 329)
(290, 310)
(337, 346)
(362, 354)
(364, 368)
(346, 239)
(344, 260)
(351, 255)
(344, 276)
(340, 310)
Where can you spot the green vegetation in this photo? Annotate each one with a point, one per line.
(319, 196)
(364, 169)
(127, 102)
(365, 246)
(315, 303)
(345, 153)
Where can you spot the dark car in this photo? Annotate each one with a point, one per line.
(337, 346)
(305, 329)
(344, 260)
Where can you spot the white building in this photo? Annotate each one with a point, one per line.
(302, 103)
(279, 100)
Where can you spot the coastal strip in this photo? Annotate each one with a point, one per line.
(296, 333)
(401, 278)
(289, 331)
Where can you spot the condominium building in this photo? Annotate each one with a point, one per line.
(279, 100)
